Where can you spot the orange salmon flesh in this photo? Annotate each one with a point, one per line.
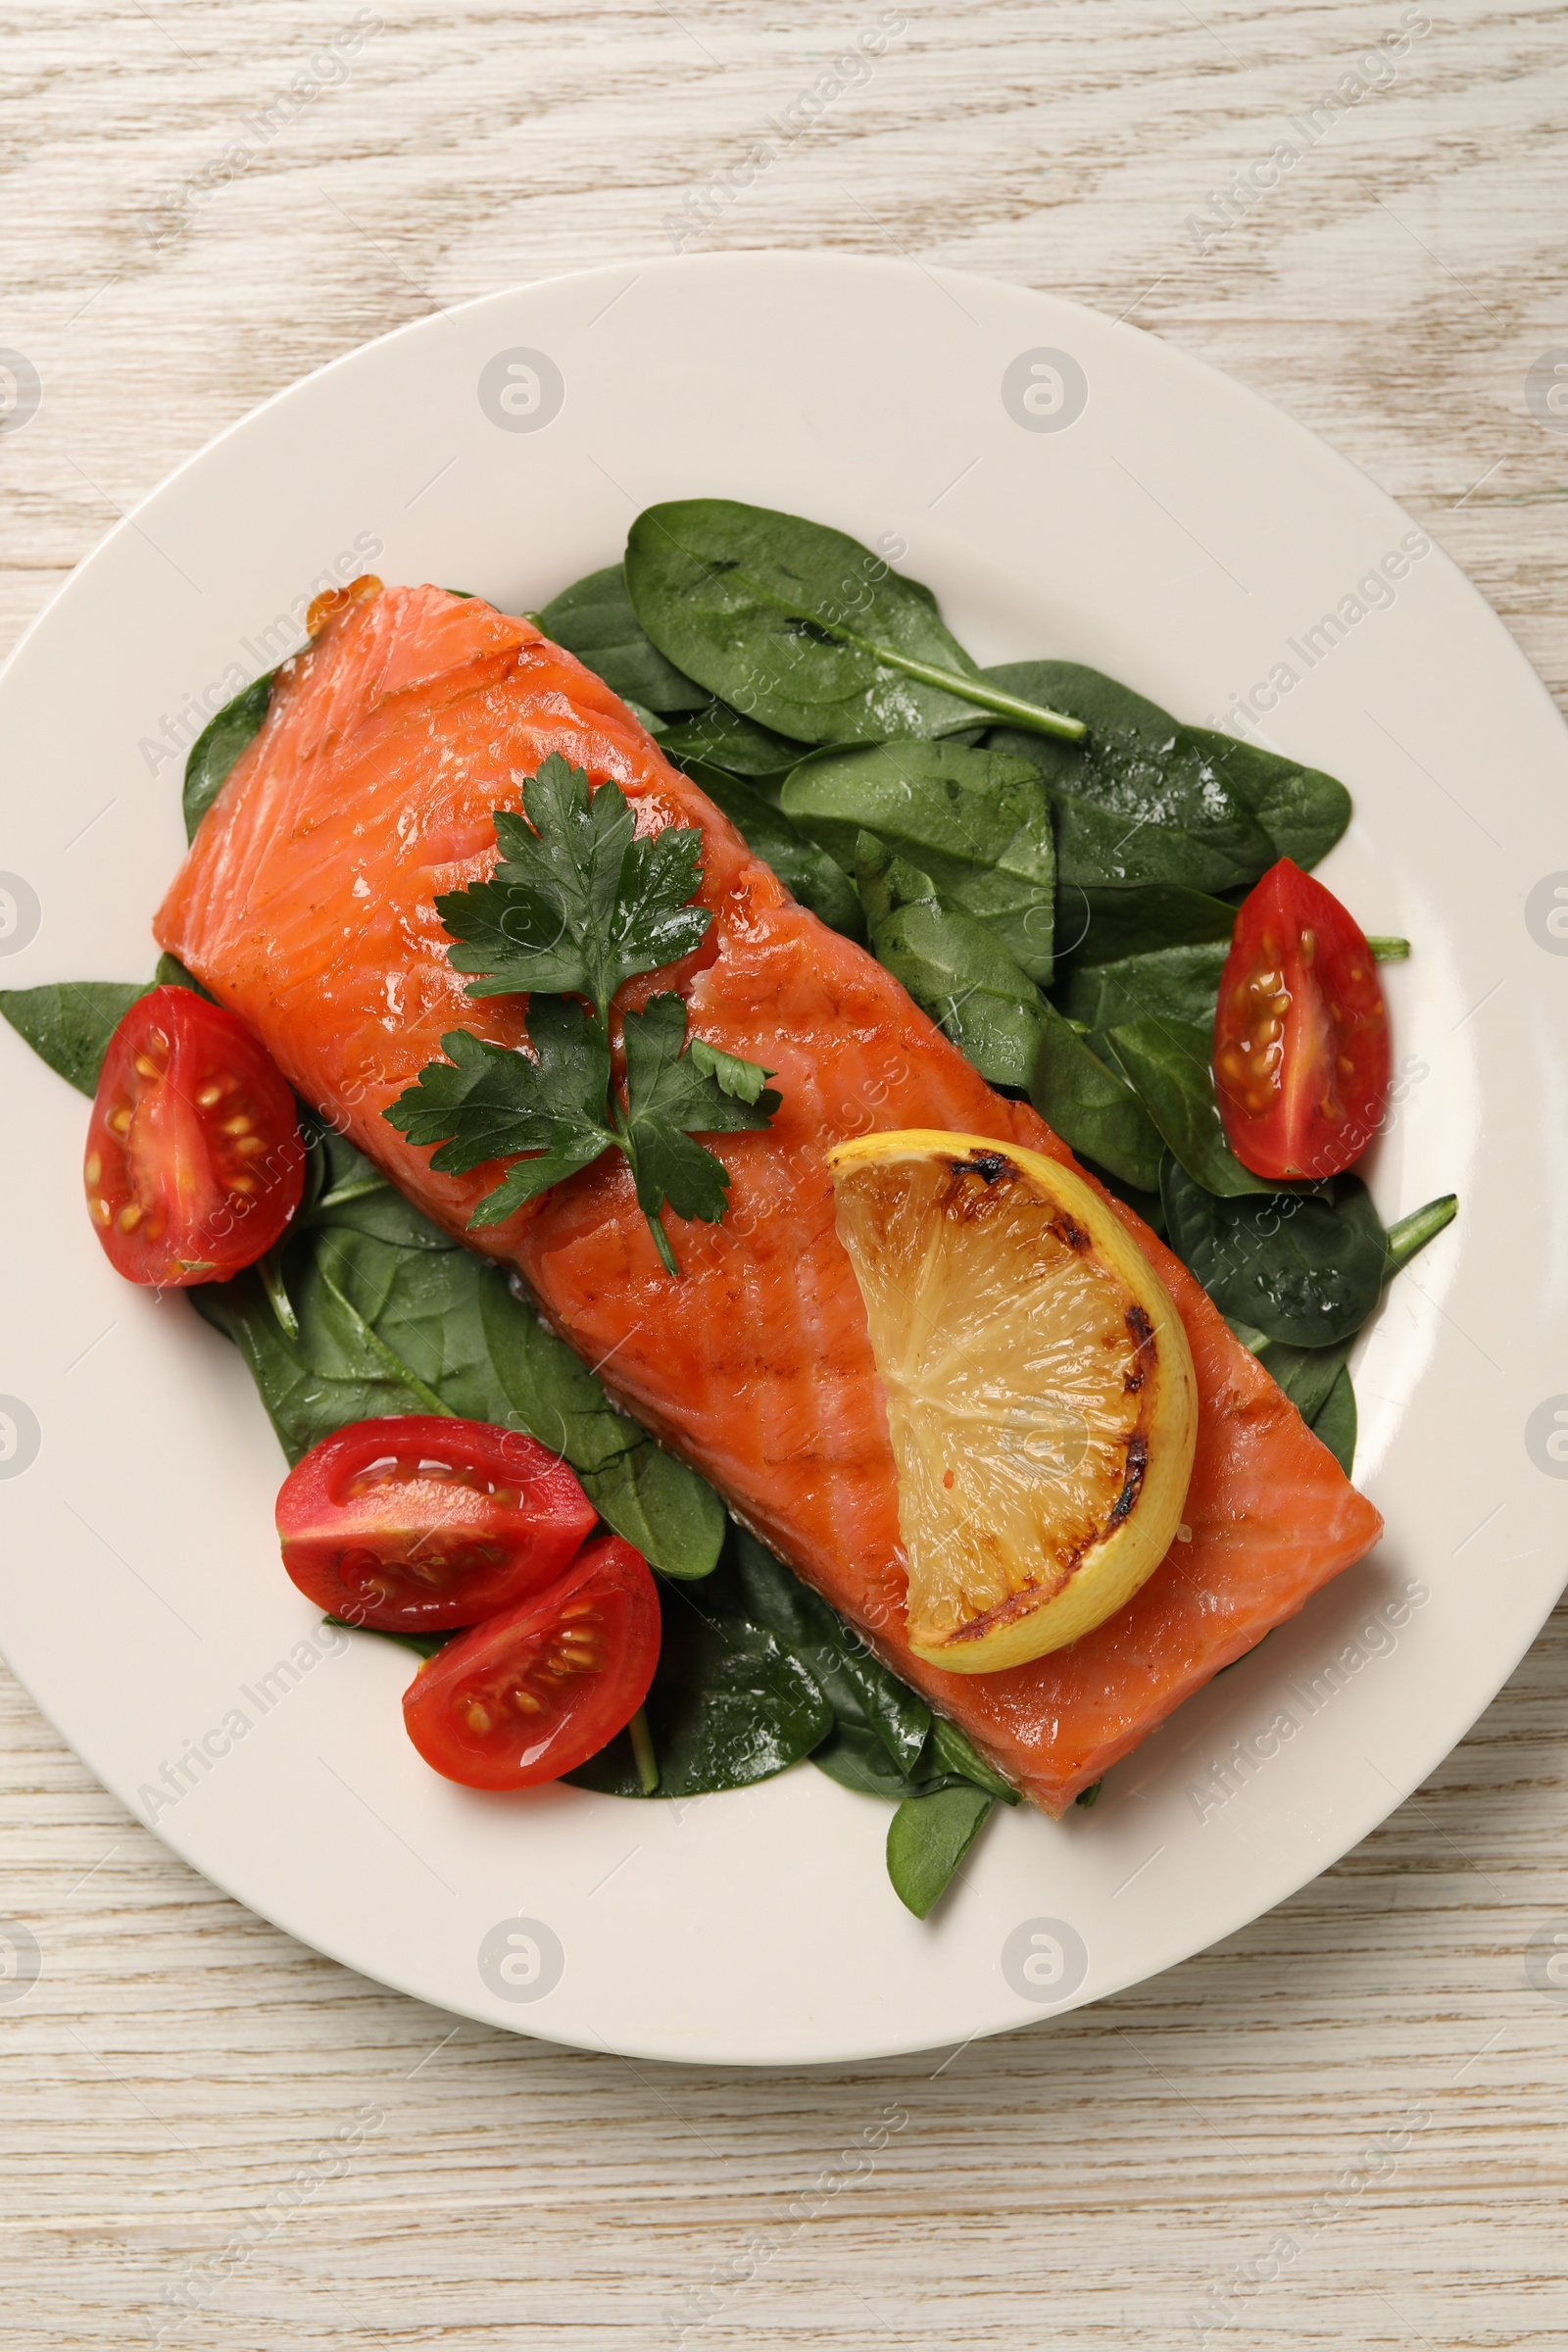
(307, 907)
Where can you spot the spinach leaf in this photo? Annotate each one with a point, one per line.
(1305, 1268)
(862, 1692)
(977, 822)
(954, 1751)
(884, 1741)
(975, 992)
(818, 880)
(594, 619)
(649, 720)
(1180, 983)
(885, 881)
(1303, 811)
(342, 1188)
(1317, 1382)
(420, 1310)
(728, 1706)
(1307, 1375)
(1410, 1235)
(169, 972)
(394, 1325)
(554, 1396)
(1204, 809)
(1110, 848)
(928, 1838)
(758, 1672)
(718, 737)
(1091, 1105)
(218, 747)
(802, 628)
(423, 1645)
(1166, 1063)
(68, 1023)
(853, 1755)
(955, 969)
(1103, 926)
(1335, 1422)
(662, 1508)
(1138, 802)
(330, 1374)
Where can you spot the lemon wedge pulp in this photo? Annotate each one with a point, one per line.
(1039, 1392)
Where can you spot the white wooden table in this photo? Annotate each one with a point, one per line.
(1207, 2159)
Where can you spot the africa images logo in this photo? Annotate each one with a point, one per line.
(521, 390)
(19, 915)
(20, 391)
(1044, 390)
(1045, 1961)
(1546, 913)
(20, 1437)
(21, 1961)
(522, 1959)
(1546, 1437)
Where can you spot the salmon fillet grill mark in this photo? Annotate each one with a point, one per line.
(306, 906)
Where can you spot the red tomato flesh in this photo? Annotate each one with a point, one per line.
(420, 1521)
(194, 1160)
(537, 1691)
(1301, 1033)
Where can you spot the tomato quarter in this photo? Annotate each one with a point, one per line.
(536, 1692)
(1301, 1033)
(419, 1522)
(194, 1159)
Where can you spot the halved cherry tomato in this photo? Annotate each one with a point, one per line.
(536, 1692)
(421, 1521)
(1301, 1033)
(194, 1159)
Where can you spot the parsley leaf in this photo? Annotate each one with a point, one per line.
(577, 904)
(488, 1103)
(669, 1094)
(744, 1080)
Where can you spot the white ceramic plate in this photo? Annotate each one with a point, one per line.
(1069, 487)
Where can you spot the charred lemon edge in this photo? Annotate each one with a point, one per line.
(1114, 1569)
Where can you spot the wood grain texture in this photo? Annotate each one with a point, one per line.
(1202, 2154)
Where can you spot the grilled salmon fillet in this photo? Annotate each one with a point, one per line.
(307, 907)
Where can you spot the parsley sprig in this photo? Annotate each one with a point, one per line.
(577, 906)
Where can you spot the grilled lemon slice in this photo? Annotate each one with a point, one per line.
(1040, 1390)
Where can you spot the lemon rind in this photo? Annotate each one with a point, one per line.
(1114, 1569)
